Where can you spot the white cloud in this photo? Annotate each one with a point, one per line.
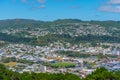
(111, 6)
(41, 1)
(25, 1)
(40, 4)
(39, 7)
(114, 1)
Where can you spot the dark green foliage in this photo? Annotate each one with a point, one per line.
(99, 74)
(86, 38)
(74, 54)
(9, 75)
(61, 21)
(7, 60)
(50, 38)
(15, 39)
(19, 23)
(107, 24)
(103, 74)
(92, 38)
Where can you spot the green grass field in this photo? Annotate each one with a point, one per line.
(63, 65)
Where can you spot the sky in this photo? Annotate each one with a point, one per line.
(48, 10)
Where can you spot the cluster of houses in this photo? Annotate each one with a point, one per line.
(38, 56)
(112, 65)
(73, 29)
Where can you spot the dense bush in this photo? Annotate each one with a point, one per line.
(9, 75)
(99, 74)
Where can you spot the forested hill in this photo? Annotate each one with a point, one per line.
(19, 23)
(73, 27)
(67, 30)
(22, 23)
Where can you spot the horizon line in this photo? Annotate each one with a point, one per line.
(54, 19)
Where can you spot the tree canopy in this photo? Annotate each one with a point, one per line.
(99, 74)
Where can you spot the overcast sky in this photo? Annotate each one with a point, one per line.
(48, 10)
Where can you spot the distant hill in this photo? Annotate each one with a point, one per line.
(19, 23)
(68, 30)
(22, 23)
